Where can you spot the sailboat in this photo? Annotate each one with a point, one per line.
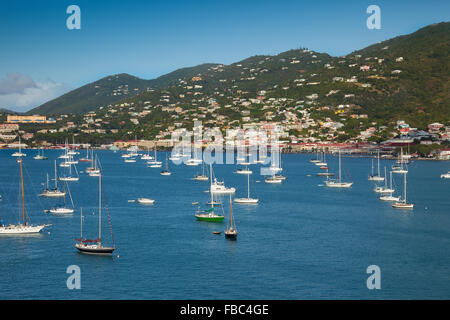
(64, 155)
(154, 163)
(201, 177)
(321, 162)
(166, 172)
(384, 189)
(231, 232)
(53, 193)
(40, 156)
(63, 209)
(70, 177)
(147, 156)
(275, 167)
(338, 183)
(402, 167)
(402, 204)
(94, 171)
(372, 177)
(390, 196)
(209, 215)
(19, 153)
(22, 227)
(86, 159)
(145, 201)
(247, 200)
(95, 246)
(317, 157)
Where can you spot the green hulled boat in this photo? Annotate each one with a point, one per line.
(209, 216)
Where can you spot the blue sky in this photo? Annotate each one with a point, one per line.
(41, 59)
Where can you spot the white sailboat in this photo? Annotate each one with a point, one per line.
(378, 177)
(389, 196)
(445, 175)
(147, 156)
(321, 162)
(402, 169)
(19, 153)
(40, 156)
(70, 177)
(154, 163)
(94, 171)
(22, 227)
(63, 209)
(383, 189)
(247, 200)
(55, 192)
(202, 176)
(338, 183)
(231, 232)
(146, 201)
(402, 204)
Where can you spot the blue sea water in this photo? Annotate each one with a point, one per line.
(303, 241)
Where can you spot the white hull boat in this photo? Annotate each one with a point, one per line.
(145, 201)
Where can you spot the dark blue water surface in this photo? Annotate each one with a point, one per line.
(303, 241)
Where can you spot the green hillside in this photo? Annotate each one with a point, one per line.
(407, 78)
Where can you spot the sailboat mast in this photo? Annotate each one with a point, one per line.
(405, 186)
(231, 214)
(81, 225)
(339, 165)
(210, 188)
(378, 156)
(100, 207)
(390, 173)
(56, 178)
(23, 195)
(248, 186)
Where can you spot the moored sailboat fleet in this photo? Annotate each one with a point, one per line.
(217, 190)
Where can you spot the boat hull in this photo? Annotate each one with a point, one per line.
(94, 249)
(208, 218)
(246, 200)
(146, 201)
(21, 229)
(401, 205)
(338, 184)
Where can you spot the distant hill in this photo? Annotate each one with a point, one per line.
(408, 78)
(7, 111)
(111, 89)
(93, 95)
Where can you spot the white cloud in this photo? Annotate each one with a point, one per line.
(21, 93)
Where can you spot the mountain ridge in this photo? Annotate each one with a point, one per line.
(425, 53)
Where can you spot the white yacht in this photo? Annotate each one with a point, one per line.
(23, 227)
(146, 201)
(445, 175)
(247, 200)
(402, 204)
(55, 192)
(338, 183)
(19, 153)
(218, 187)
(377, 177)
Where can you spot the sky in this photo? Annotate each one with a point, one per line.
(40, 58)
